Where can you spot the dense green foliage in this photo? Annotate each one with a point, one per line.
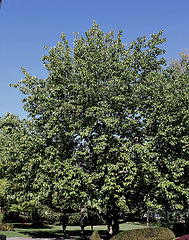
(155, 233)
(108, 130)
(17, 155)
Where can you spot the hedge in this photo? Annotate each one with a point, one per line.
(154, 233)
(185, 237)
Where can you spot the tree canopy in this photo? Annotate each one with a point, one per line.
(108, 128)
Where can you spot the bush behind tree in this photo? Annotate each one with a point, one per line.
(185, 237)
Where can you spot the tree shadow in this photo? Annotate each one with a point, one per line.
(30, 226)
(43, 233)
(73, 234)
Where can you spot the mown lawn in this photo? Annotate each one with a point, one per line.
(24, 230)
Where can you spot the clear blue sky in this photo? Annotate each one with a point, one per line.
(27, 25)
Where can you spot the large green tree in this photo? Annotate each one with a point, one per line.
(97, 128)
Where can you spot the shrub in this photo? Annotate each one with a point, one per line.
(185, 237)
(154, 233)
(95, 235)
(6, 227)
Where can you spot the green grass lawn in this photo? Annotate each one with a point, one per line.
(21, 230)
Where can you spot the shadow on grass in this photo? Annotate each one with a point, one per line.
(44, 234)
(30, 226)
(74, 234)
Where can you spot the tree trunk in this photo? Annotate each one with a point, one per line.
(112, 218)
(147, 220)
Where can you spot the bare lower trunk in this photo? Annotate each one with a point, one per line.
(112, 218)
(147, 220)
(113, 227)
